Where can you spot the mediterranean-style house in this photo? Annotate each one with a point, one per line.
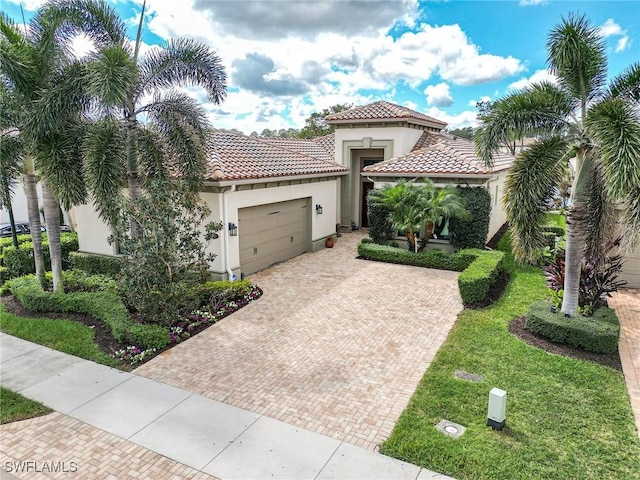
(278, 198)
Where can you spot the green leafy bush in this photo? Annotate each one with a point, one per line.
(472, 233)
(557, 230)
(478, 278)
(4, 275)
(480, 268)
(598, 333)
(8, 241)
(380, 225)
(105, 306)
(96, 264)
(20, 261)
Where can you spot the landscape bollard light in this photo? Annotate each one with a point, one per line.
(497, 409)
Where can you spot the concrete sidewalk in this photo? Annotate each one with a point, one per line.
(209, 436)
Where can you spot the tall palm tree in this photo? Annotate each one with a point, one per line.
(171, 138)
(412, 206)
(578, 118)
(44, 82)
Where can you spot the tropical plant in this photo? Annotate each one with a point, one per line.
(43, 81)
(172, 139)
(412, 206)
(580, 118)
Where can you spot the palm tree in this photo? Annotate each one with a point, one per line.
(580, 118)
(413, 206)
(44, 84)
(172, 139)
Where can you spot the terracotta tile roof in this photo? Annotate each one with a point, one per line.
(311, 147)
(440, 154)
(380, 111)
(239, 157)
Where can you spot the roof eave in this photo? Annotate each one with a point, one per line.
(415, 121)
(247, 181)
(423, 174)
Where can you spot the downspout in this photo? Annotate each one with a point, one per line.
(225, 236)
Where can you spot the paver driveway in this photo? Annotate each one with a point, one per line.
(336, 345)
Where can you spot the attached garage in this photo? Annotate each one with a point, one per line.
(273, 233)
(631, 268)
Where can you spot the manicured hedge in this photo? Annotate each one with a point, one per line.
(20, 261)
(472, 233)
(4, 275)
(96, 264)
(480, 268)
(598, 333)
(105, 306)
(557, 230)
(478, 278)
(8, 241)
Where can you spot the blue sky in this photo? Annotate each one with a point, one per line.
(287, 59)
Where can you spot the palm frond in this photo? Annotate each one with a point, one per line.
(528, 190)
(11, 154)
(153, 155)
(601, 216)
(614, 126)
(104, 165)
(183, 62)
(111, 76)
(183, 124)
(62, 99)
(630, 221)
(627, 84)
(577, 57)
(18, 60)
(540, 109)
(58, 158)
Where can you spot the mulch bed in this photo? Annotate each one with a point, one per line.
(518, 328)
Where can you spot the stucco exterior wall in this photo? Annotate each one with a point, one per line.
(93, 232)
(403, 139)
(498, 214)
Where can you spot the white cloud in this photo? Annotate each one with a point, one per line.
(611, 29)
(439, 95)
(467, 118)
(538, 77)
(29, 5)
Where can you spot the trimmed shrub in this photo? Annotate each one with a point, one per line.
(598, 333)
(105, 306)
(472, 233)
(557, 230)
(4, 275)
(549, 239)
(20, 261)
(478, 278)
(480, 268)
(8, 241)
(380, 226)
(96, 264)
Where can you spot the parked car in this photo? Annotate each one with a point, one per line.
(22, 228)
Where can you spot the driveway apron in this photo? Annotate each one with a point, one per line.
(336, 345)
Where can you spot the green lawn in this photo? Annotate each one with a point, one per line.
(14, 407)
(566, 418)
(64, 335)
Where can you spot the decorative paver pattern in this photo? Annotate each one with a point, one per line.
(77, 450)
(336, 345)
(626, 303)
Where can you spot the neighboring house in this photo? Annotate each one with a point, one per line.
(272, 190)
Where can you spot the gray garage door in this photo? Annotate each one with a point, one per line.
(631, 268)
(272, 233)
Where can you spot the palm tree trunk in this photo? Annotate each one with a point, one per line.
(133, 177)
(12, 222)
(577, 218)
(33, 209)
(52, 214)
